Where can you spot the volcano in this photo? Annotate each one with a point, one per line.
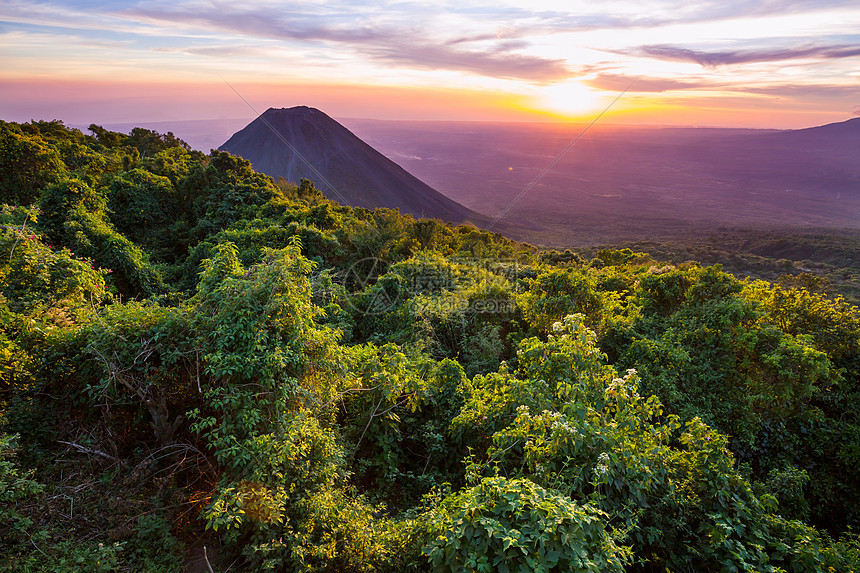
(304, 143)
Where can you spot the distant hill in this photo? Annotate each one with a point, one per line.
(303, 142)
(832, 132)
(832, 142)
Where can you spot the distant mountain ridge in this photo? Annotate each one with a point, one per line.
(833, 139)
(305, 143)
(847, 128)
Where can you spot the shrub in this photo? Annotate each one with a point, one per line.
(517, 526)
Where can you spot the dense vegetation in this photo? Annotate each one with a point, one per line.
(200, 363)
(824, 261)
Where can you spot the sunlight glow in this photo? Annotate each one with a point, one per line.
(569, 99)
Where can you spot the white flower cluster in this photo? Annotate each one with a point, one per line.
(602, 467)
(561, 425)
(548, 415)
(626, 386)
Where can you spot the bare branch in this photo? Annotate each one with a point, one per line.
(86, 450)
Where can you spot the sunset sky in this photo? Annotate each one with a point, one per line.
(767, 63)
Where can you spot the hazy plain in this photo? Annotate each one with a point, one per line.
(632, 183)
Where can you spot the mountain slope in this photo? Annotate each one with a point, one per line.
(831, 132)
(303, 142)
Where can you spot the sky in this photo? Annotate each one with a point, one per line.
(734, 63)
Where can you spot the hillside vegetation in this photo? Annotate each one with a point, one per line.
(201, 367)
(824, 260)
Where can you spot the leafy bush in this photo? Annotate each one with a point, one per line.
(27, 165)
(516, 526)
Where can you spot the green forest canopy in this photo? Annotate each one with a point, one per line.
(193, 354)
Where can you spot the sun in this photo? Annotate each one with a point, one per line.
(569, 99)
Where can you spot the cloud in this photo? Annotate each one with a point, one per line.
(391, 41)
(282, 24)
(576, 16)
(619, 82)
(727, 9)
(811, 92)
(229, 51)
(821, 93)
(494, 63)
(492, 40)
(714, 59)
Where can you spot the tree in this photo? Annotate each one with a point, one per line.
(27, 165)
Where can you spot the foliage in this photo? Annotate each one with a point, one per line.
(515, 525)
(597, 439)
(36, 279)
(399, 410)
(14, 485)
(743, 358)
(26, 166)
(76, 218)
(560, 292)
(142, 206)
(823, 261)
(194, 354)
